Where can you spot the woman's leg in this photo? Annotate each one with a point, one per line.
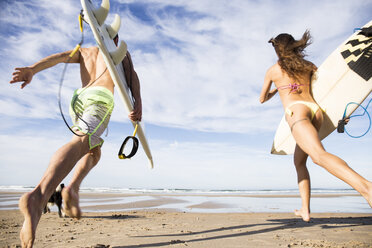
(303, 179)
(307, 139)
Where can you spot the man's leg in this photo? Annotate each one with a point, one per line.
(70, 194)
(31, 204)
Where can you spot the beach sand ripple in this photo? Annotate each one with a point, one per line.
(177, 229)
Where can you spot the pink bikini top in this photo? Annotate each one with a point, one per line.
(294, 87)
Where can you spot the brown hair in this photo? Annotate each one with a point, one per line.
(291, 53)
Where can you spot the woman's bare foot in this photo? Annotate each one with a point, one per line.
(71, 202)
(29, 204)
(304, 214)
(368, 194)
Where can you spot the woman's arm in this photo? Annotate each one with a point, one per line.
(266, 93)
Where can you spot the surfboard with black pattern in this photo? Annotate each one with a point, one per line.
(345, 76)
(358, 53)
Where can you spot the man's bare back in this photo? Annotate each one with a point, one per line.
(94, 72)
(93, 69)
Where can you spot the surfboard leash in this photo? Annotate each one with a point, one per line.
(344, 121)
(133, 152)
(77, 47)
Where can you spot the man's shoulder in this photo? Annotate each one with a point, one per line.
(92, 48)
(89, 50)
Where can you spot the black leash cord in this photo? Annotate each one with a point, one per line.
(81, 18)
(134, 148)
(60, 104)
(133, 152)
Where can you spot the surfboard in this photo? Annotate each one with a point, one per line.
(345, 76)
(113, 56)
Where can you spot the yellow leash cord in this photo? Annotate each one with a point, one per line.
(81, 18)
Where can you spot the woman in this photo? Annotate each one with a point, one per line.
(292, 77)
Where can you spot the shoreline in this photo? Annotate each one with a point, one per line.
(205, 203)
(87, 194)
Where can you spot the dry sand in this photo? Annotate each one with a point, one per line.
(177, 229)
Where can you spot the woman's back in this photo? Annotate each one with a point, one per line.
(292, 89)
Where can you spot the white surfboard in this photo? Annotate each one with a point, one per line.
(113, 56)
(345, 76)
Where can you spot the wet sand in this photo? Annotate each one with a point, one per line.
(135, 220)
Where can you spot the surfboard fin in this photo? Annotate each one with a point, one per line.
(102, 12)
(113, 29)
(119, 54)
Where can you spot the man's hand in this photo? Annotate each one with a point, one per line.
(136, 114)
(23, 74)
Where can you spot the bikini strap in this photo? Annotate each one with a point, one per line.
(292, 86)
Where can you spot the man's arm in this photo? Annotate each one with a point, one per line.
(25, 74)
(134, 85)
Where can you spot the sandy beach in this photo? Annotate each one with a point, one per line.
(155, 226)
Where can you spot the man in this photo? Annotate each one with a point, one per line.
(84, 150)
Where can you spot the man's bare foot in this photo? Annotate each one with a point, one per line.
(29, 204)
(304, 214)
(71, 202)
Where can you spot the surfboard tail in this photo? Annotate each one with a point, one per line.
(145, 144)
(151, 164)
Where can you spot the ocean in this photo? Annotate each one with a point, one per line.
(203, 201)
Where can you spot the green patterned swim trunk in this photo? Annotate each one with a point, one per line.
(90, 111)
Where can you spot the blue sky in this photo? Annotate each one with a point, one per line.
(201, 65)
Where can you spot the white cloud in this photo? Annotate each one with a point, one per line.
(214, 75)
(178, 164)
(201, 63)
